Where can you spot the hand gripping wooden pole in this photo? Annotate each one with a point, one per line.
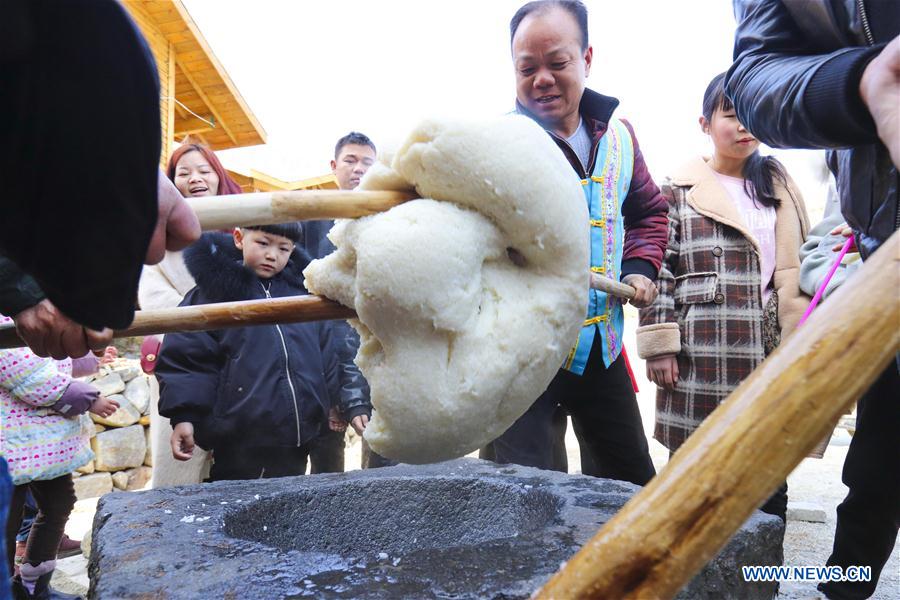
(612, 287)
(203, 317)
(224, 315)
(746, 448)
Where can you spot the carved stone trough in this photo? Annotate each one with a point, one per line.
(459, 529)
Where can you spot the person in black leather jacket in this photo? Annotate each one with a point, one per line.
(354, 153)
(796, 83)
(826, 74)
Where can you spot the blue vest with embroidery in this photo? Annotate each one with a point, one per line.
(605, 191)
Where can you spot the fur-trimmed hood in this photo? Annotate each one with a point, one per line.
(216, 264)
(265, 385)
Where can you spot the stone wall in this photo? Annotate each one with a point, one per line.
(121, 441)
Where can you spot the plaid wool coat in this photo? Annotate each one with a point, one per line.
(709, 311)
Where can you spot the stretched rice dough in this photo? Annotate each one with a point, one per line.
(456, 340)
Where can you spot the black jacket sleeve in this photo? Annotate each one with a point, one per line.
(793, 91)
(354, 394)
(62, 212)
(188, 370)
(330, 362)
(18, 290)
(352, 397)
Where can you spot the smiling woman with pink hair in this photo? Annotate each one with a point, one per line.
(196, 172)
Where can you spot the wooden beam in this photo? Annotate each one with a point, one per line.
(665, 534)
(178, 108)
(191, 125)
(203, 139)
(170, 115)
(182, 133)
(199, 91)
(321, 182)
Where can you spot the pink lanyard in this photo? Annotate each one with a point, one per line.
(821, 290)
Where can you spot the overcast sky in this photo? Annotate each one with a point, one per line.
(312, 70)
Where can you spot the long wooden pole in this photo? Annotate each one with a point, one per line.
(665, 534)
(296, 309)
(203, 317)
(222, 212)
(266, 208)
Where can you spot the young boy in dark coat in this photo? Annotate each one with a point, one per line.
(256, 396)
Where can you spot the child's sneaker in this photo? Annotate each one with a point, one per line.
(19, 557)
(68, 547)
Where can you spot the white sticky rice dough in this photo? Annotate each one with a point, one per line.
(457, 340)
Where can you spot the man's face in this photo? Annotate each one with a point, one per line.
(550, 67)
(351, 164)
(266, 254)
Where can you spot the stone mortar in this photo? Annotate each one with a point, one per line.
(460, 529)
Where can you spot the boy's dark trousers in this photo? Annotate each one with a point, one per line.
(605, 416)
(868, 518)
(326, 454)
(241, 462)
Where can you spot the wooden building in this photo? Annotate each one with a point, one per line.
(256, 181)
(197, 97)
(198, 100)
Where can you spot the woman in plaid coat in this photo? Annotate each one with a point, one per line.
(729, 284)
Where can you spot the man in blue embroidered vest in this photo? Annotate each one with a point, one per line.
(628, 218)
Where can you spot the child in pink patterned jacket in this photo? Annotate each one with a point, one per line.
(41, 439)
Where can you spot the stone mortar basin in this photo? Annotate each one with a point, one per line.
(460, 529)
